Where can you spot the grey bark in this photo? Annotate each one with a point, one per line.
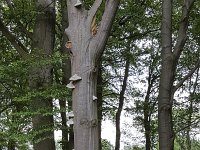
(169, 62)
(85, 55)
(41, 77)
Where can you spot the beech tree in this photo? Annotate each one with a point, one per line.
(86, 47)
(41, 77)
(170, 57)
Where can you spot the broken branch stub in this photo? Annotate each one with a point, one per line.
(68, 44)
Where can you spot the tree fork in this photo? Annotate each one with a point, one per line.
(86, 50)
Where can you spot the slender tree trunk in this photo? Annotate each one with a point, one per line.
(120, 107)
(147, 121)
(188, 140)
(41, 76)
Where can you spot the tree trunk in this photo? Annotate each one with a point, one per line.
(99, 102)
(168, 69)
(166, 136)
(147, 112)
(86, 51)
(41, 76)
(120, 107)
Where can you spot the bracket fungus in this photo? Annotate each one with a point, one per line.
(70, 85)
(78, 3)
(70, 114)
(75, 77)
(94, 98)
(70, 121)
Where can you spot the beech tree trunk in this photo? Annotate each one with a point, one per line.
(86, 51)
(41, 77)
(169, 62)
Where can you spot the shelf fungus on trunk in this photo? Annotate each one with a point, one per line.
(78, 4)
(70, 85)
(70, 121)
(70, 114)
(94, 98)
(74, 78)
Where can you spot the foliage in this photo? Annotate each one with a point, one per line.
(106, 145)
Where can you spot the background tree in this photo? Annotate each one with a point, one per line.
(169, 63)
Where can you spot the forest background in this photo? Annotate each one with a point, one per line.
(35, 71)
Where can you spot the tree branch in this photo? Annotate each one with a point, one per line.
(13, 40)
(138, 35)
(182, 33)
(94, 9)
(5, 107)
(194, 122)
(99, 41)
(187, 76)
(21, 26)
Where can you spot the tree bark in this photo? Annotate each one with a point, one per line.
(120, 107)
(168, 69)
(41, 77)
(100, 102)
(85, 52)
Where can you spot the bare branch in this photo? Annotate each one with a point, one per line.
(187, 76)
(195, 122)
(94, 9)
(5, 107)
(182, 33)
(99, 41)
(138, 35)
(13, 40)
